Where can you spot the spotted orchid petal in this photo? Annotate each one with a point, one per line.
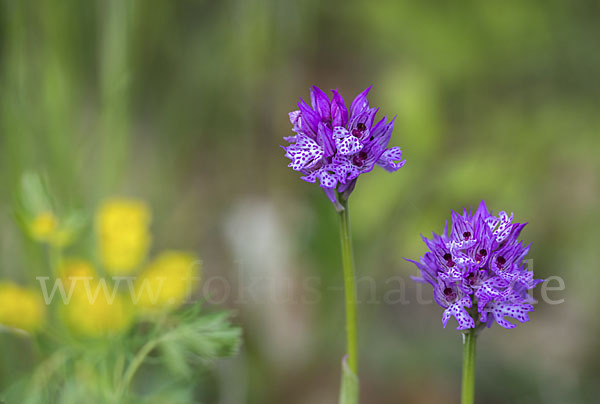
(304, 154)
(502, 310)
(295, 118)
(391, 159)
(457, 310)
(345, 143)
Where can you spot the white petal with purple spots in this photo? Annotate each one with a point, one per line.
(305, 153)
(345, 170)
(296, 120)
(460, 314)
(391, 159)
(501, 310)
(328, 180)
(503, 229)
(492, 222)
(345, 143)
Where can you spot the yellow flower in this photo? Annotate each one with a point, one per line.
(95, 311)
(95, 308)
(20, 307)
(47, 228)
(167, 281)
(44, 226)
(74, 271)
(123, 231)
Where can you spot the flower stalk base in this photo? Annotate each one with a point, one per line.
(350, 296)
(468, 371)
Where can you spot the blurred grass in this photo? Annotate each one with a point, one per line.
(184, 104)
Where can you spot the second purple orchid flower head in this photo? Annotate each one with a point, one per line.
(335, 145)
(478, 272)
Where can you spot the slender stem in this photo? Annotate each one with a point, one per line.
(468, 373)
(135, 364)
(349, 287)
(140, 357)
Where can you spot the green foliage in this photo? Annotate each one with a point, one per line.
(103, 367)
(178, 347)
(204, 338)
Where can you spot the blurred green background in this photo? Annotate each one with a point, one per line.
(184, 104)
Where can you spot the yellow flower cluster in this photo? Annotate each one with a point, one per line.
(73, 272)
(99, 306)
(95, 308)
(167, 281)
(124, 236)
(20, 308)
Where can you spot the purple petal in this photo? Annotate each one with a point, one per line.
(382, 131)
(366, 117)
(347, 188)
(482, 212)
(339, 112)
(360, 103)
(320, 103)
(390, 159)
(331, 194)
(312, 177)
(325, 138)
(428, 273)
(310, 119)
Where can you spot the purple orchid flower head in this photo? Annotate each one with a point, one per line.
(335, 145)
(478, 273)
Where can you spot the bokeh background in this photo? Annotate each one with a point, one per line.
(184, 104)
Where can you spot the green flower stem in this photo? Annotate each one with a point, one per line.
(349, 287)
(139, 358)
(135, 363)
(468, 373)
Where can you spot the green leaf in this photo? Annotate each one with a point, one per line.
(203, 338)
(174, 356)
(349, 389)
